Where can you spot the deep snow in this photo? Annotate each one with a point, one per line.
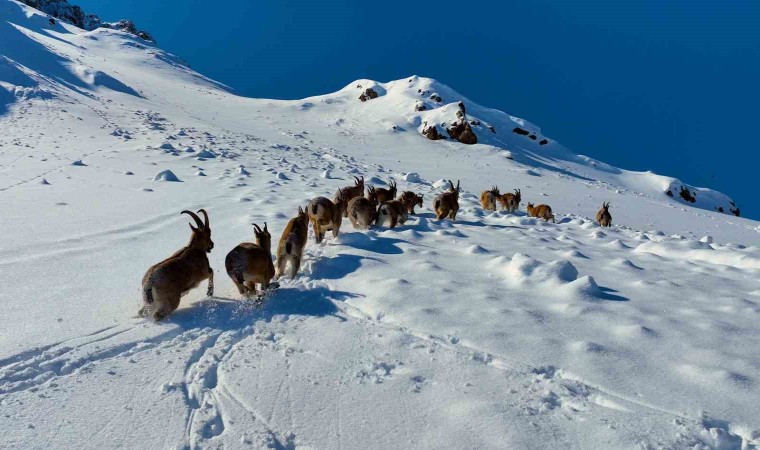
(495, 331)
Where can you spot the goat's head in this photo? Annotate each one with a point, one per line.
(372, 195)
(263, 238)
(201, 237)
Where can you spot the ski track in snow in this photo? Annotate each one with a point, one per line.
(495, 331)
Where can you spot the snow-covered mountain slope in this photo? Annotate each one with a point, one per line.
(495, 331)
(74, 15)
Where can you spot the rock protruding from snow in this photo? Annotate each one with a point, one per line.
(73, 14)
(699, 197)
(166, 175)
(368, 94)
(462, 132)
(431, 132)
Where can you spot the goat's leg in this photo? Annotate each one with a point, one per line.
(295, 264)
(210, 290)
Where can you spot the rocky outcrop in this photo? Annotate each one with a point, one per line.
(462, 132)
(520, 131)
(543, 142)
(687, 195)
(368, 94)
(62, 10)
(431, 132)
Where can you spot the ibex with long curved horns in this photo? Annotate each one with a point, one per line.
(166, 282)
(350, 192)
(488, 198)
(249, 263)
(510, 201)
(447, 203)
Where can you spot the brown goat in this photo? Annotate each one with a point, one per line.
(603, 216)
(488, 199)
(510, 201)
(357, 190)
(446, 204)
(410, 200)
(249, 263)
(325, 215)
(292, 243)
(386, 195)
(541, 211)
(166, 282)
(393, 211)
(363, 211)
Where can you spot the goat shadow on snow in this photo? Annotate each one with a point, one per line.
(228, 314)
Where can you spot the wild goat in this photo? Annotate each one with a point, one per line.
(410, 200)
(393, 211)
(510, 201)
(446, 204)
(248, 263)
(166, 282)
(541, 211)
(603, 216)
(363, 211)
(325, 215)
(386, 195)
(292, 242)
(488, 198)
(357, 190)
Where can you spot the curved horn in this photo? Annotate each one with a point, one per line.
(265, 226)
(256, 228)
(195, 217)
(205, 217)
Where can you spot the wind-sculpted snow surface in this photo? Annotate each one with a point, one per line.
(494, 331)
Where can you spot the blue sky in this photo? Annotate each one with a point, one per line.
(664, 85)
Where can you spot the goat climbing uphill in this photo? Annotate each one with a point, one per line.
(166, 282)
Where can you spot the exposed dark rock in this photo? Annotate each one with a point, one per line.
(493, 130)
(420, 107)
(735, 210)
(462, 132)
(719, 208)
(533, 137)
(520, 131)
(436, 98)
(368, 94)
(543, 142)
(669, 193)
(62, 10)
(431, 132)
(686, 195)
(475, 123)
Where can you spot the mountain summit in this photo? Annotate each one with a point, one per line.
(62, 10)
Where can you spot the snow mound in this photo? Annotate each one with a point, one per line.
(166, 175)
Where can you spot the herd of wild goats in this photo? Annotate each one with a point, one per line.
(249, 264)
